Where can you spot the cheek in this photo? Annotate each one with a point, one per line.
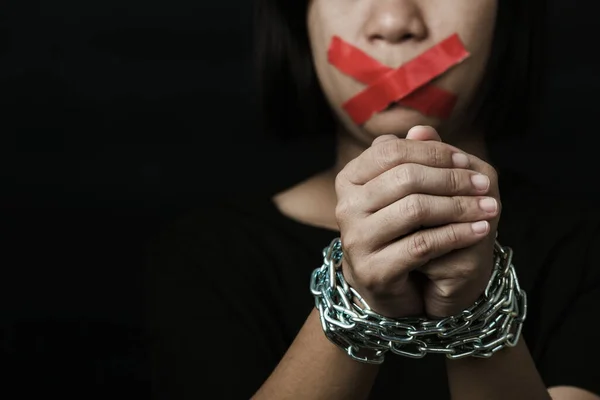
(336, 86)
(464, 79)
(318, 42)
(477, 34)
(476, 31)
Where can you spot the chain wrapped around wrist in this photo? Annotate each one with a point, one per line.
(492, 323)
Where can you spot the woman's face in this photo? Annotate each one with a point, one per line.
(394, 32)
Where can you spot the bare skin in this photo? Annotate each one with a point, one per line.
(403, 201)
(509, 374)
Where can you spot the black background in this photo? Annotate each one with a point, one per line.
(118, 115)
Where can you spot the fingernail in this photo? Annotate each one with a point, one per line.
(488, 204)
(460, 160)
(480, 227)
(480, 181)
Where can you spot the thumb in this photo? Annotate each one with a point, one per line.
(423, 133)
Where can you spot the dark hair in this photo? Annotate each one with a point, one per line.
(293, 104)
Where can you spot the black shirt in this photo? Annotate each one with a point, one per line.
(228, 290)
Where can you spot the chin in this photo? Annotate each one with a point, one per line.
(397, 121)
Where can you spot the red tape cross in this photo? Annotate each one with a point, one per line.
(406, 84)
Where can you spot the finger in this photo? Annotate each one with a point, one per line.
(383, 138)
(419, 211)
(462, 264)
(423, 133)
(482, 167)
(383, 156)
(422, 246)
(457, 279)
(406, 179)
(477, 164)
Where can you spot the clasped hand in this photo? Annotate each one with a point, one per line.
(417, 219)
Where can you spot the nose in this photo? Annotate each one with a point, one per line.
(395, 21)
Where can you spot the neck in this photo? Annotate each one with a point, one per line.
(314, 201)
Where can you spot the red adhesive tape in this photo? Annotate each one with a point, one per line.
(406, 84)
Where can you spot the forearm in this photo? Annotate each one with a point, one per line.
(508, 374)
(314, 368)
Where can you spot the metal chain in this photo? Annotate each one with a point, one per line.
(492, 323)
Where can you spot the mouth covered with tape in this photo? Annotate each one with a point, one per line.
(408, 85)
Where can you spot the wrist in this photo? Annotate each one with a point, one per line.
(491, 324)
(313, 367)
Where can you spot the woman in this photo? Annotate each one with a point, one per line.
(416, 202)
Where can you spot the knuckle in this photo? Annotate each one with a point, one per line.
(445, 296)
(404, 175)
(460, 205)
(420, 246)
(413, 208)
(359, 242)
(389, 153)
(463, 271)
(339, 182)
(368, 282)
(341, 179)
(444, 292)
(451, 235)
(382, 139)
(343, 210)
(364, 276)
(350, 241)
(453, 181)
(456, 272)
(435, 155)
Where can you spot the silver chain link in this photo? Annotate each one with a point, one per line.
(492, 323)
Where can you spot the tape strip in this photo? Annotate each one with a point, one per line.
(350, 60)
(407, 84)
